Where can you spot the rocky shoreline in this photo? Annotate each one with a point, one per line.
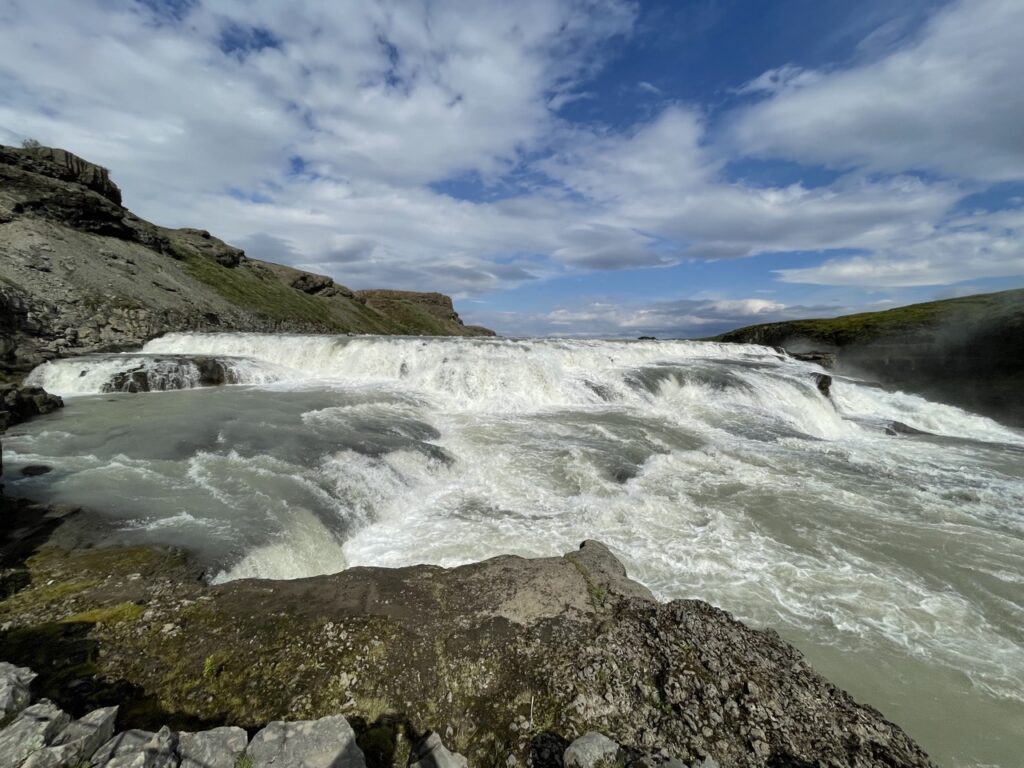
(508, 660)
(42, 735)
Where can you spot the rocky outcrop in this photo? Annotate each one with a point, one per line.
(824, 383)
(63, 166)
(826, 360)
(163, 373)
(329, 742)
(32, 730)
(419, 307)
(79, 273)
(18, 404)
(508, 660)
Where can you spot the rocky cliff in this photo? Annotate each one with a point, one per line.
(967, 351)
(508, 660)
(80, 273)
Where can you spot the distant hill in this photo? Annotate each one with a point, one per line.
(967, 351)
(81, 273)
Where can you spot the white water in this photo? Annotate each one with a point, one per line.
(98, 373)
(714, 471)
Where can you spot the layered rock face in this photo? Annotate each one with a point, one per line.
(507, 660)
(80, 273)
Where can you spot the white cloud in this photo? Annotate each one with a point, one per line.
(682, 318)
(385, 102)
(664, 184)
(965, 249)
(950, 102)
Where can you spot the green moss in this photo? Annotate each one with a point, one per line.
(257, 292)
(32, 598)
(412, 318)
(116, 561)
(112, 614)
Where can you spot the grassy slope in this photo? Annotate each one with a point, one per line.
(258, 290)
(916, 320)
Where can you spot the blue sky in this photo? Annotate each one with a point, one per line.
(568, 167)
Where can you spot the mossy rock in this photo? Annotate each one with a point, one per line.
(491, 655)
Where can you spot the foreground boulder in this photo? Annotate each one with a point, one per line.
(503, 659)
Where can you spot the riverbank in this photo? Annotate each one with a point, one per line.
(967, 351)
(493, 656)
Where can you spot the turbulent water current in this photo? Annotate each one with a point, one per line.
(893, 559)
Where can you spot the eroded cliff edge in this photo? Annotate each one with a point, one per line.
(967, 351)
(80, 273)
(508, 659)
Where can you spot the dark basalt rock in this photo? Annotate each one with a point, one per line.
(899, 428)
(826, 360)
(824, 383)
(172, 372)
(312, 284)
(18, 404)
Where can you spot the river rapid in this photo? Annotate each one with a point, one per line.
(894, 560)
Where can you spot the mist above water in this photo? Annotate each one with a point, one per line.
(714, 471)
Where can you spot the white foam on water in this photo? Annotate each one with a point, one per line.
(95, 374)
(305, 549)
(713, 471)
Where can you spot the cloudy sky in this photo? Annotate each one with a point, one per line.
(601, 167)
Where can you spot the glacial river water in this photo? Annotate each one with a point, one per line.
(895, 562)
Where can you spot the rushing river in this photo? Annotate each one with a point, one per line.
(894, 560)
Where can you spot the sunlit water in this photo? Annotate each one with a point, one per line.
(895, 562)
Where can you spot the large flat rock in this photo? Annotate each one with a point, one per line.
(496, 657)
